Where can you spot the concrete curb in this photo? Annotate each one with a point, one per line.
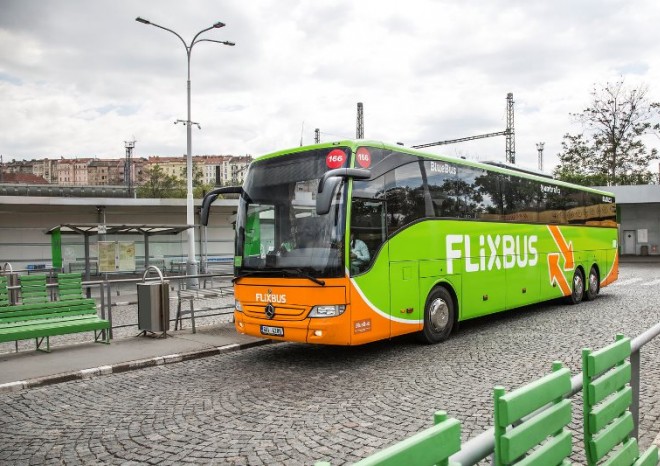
(86, 374)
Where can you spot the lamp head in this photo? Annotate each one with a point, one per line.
(142, 20)
(219, 25)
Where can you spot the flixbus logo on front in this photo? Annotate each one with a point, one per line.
(494, 252)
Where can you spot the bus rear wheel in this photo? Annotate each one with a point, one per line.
(577, 288)
(593, 285)
(439, 316)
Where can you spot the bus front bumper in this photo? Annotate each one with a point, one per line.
(326, 331)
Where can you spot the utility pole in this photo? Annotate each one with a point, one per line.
(359, 127)
(510, 133)
(317, 136)
(128, 178)
(539, 147)
(191, 264)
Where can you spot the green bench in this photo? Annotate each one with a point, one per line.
(38, 318)
(526, 436)
(608, 422)
(34, 289)
(69, 287)
(4, 292)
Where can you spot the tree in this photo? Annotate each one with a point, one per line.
(611, 151)
(158, 184)
(200, 188)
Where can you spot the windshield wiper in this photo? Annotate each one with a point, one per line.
(250, 273)
(292, 273)
(302, 273)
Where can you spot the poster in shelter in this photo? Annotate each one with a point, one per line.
(126, 256)
(107, 256)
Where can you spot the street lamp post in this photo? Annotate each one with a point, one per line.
(191, 266)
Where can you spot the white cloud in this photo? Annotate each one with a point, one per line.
(80, 78)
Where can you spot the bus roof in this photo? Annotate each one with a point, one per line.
(499, 167)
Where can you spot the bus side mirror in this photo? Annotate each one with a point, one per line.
(212, 196)
(324, 198)
(329, 182)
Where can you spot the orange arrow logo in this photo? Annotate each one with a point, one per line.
(556, 274)
(565, 248)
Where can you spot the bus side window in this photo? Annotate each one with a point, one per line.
(405, 197)
(479, 194)
(368, 225)
(443, 188)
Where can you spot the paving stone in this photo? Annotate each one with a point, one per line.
(297, 404)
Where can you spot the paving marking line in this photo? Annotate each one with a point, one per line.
(655, 282)
(628, 281)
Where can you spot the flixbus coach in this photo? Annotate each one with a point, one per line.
(447, 240)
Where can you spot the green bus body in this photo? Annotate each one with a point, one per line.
(448, 239)
(484, 280)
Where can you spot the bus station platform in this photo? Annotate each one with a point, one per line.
(67, 362)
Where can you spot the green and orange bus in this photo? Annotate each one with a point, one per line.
(446, 240)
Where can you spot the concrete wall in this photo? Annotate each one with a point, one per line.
(24, 241)
(634, 219)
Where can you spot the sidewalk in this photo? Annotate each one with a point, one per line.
(628, 259)
(27, 369)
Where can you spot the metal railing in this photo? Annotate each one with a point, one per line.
(483, 445)
(107, 289)
(106, 294)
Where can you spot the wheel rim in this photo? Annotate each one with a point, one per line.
(593, 282)
(439, 315)
(578, 285)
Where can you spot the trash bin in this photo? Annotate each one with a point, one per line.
(644, 250)
(153, 303)
(12, 281)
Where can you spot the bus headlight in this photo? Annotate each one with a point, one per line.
(327, 310)
(238, 306)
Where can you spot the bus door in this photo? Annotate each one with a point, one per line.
(372, 275)
(406, 305)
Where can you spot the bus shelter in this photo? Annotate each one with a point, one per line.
(87, 230)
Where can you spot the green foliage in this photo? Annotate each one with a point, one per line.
(611, 151)
(158, 184)
(199, 187)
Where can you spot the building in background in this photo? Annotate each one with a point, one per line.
(223, 170)
(217, 170)
(45, 168)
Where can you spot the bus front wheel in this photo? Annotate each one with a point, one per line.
(577, 287)
(439, 316)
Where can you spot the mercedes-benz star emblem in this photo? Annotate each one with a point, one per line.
(270, 311)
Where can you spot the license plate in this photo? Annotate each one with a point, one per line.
(273, 331)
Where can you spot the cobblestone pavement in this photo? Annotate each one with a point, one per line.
(297, 404)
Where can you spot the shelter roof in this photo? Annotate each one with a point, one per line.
(92, 229)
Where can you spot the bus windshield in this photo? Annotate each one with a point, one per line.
(278, 230)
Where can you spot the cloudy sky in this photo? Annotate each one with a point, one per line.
(80, 77)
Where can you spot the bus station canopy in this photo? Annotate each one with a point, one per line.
(95, 229)
(91, 229)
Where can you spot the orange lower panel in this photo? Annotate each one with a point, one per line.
(326, 331)
(340, 330)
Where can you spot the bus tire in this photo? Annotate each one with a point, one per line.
(577, 287)
(593, 283)
(439, 316)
